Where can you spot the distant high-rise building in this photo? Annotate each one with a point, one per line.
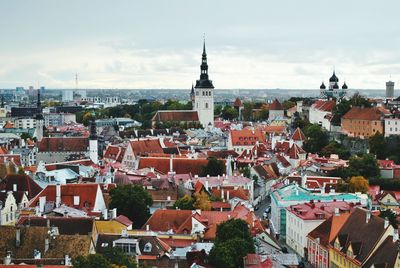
(67, 95)
(390, 90)
(204, 94)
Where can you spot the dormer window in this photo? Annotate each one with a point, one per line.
(147, 247)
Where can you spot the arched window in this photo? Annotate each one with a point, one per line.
(206, 105)
(147, 247)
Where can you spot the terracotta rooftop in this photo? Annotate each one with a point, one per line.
(276, 105)
(324, 105)
(63, 144)
(298, 135)
(246, 137)
(180, 165)
(363, 114)
(178, 115)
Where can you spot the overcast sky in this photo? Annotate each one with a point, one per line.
(157, 44)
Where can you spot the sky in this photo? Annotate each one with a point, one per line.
(136, 44)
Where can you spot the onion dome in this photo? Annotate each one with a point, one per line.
(336, 86)
(344, 86)
(322, 86)
(333, 78)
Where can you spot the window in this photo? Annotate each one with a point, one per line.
(206, 105)
(147, 247)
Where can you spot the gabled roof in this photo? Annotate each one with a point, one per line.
(65, 225)
(237, 103)
(63, 144)
(276, 105)
(386, 254)
(87, 195)
(363, 114)
(324, 105)
(178, 115)
(143, 147)
(23, 182)
(180, 165)
(246, 137)
(360, 234)
(298, 135)
(295, 151)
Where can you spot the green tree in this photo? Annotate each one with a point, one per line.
(202, 201)
(317, 138)
(377, 145)
(133, 201)
(117, 257)
(358, 184)
(233, 241)
(91, 261)
(3, 171)
(229, 113)
(214, 167)
(391, 216)
(185, 202)
(25, 136)
(365, 166)
(248, 111)
(245, 171)
(335, 148)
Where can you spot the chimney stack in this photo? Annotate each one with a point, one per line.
(58, 195)
(395, 235)
(46, 245)
(368, 216)
(17, 237)
(386, 224)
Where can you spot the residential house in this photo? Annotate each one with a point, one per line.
(362, 122)
(86, 197)
(8, 208)
(42, 245)
(241, 140)
(318, 240)
(321, 113)
(303, 218)
(358, 239)
(392, 126)
(61, 149)
(276, 111)
(293, 194)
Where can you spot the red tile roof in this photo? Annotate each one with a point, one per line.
(115, 152)
(298, 135)
(246, 137)
(363, 114)
(276, 105)
(237, 103)
(178, 115)
(63, 144)
(143, 147)
(124, 220)
(322, 105)
(87, 195)
(180, 165)
(13, 158)
(23, 182)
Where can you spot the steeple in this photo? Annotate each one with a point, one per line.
(39, 115)
(204, 82)
(93, 132)
(2, 101)
(192, 94)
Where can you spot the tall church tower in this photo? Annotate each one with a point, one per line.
(39, 119)
(93, 143)
(204, 94)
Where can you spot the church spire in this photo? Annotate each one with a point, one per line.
(39, 115)
(204, 82)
